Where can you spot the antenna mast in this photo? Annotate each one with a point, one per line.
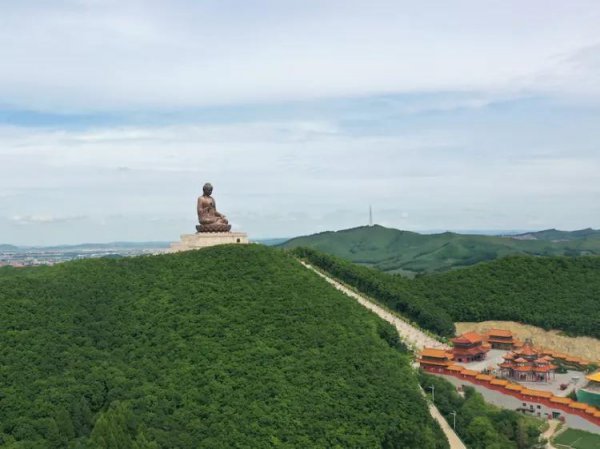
(370, 215)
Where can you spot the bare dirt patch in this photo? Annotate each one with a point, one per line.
(585, 347)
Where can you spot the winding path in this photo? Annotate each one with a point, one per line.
(550, 432)
(411, 335)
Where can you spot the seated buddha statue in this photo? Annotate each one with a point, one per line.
(210, 220)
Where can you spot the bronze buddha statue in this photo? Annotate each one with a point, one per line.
(210, 220)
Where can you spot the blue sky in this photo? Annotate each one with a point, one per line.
(113, 114)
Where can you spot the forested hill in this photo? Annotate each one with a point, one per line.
(231, 346)
(393, 250)
(551, 292)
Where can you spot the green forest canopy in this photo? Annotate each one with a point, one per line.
(231, 346)
(551, 292)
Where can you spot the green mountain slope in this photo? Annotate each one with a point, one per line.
(394, 250)
(551, 292)
(396, 292)
(232, 346)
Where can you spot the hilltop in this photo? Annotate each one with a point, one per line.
(408, 252)
(230, 346)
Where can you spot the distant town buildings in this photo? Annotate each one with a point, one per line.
(30, 257)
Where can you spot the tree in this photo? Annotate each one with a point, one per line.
(112, 429)
(481, 433)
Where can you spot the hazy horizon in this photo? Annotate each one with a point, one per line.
(488, 232)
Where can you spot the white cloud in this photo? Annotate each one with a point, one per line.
(296, 177)
(575, 75)
(43, 219)
(91, 55)
(461, 142)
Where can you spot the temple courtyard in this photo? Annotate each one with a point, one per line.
(494, 357)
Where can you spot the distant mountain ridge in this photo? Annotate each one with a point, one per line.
(556, 235)
(395, 250)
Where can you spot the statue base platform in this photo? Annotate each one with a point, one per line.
(213, 228)
(205, 239)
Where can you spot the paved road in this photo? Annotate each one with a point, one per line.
(453, 439)
(410, 334)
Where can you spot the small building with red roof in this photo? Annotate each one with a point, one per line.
(469, 347)
(501, 339)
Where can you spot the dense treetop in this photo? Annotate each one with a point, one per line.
(551, 292)
(395, 292)
(409, 252)
(232, 346)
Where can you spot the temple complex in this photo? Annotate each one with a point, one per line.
(469, 347)
(524, 363)
(527, 364)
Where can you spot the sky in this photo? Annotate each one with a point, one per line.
(464, 115)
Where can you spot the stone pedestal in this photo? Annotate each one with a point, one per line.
(205, 239)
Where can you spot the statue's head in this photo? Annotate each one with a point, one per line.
(207, 189)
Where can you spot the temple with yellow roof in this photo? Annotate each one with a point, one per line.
(590, 394)
(436, 359)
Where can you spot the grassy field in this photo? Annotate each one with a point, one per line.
(577, 439)
(408, 252)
